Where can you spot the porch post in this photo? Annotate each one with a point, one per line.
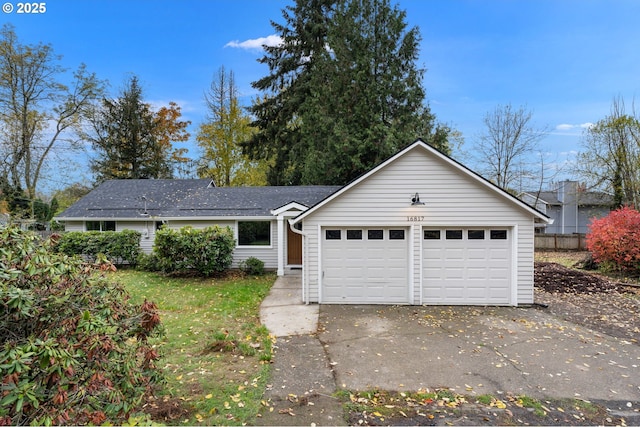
(281, 245)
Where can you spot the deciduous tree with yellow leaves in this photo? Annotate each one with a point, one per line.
(219, 137)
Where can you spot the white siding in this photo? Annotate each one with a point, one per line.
(451, 197)
(74, 226)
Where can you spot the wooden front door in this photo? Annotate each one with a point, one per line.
(294, 248)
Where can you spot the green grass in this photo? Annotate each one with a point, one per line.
(215, 351)
(485, 399)
(534, 404)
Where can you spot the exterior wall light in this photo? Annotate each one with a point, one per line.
(415, 200)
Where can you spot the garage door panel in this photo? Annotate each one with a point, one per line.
(466, 271)
(369, 271)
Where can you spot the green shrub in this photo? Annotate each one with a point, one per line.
(148, 262)
(207, 251)
(73, 350)
(252, 266)
(118, 246)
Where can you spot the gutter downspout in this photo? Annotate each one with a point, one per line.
(305, 242)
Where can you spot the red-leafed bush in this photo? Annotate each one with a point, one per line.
(614, 240)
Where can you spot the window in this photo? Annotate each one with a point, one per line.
(431, 234)
(333, 234)
(100, 226)
(454, 234)
(92, 225)
(475, 234)
(354, 234)
(254, 233)
(498, 234)
(396, 234)
(375, 234)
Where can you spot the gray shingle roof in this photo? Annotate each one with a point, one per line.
(127, 199)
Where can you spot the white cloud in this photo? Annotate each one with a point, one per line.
(256, 44)
(567, 127)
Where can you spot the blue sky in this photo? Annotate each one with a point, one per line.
(563, 59)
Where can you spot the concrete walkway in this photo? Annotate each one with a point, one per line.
(302, 380)
(283, 311)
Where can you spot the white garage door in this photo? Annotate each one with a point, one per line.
(466, 266)
(365, 266)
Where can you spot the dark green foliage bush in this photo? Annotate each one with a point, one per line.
(119, 247)
(148, 262)
(207, 251)
(252, 266)
(73, 350)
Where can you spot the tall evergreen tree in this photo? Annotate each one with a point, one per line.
(131, 140)
(287, 88)
(344, 92)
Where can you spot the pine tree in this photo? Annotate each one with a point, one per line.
(344, 92)
(132, 141)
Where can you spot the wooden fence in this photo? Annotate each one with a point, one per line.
(560, 242)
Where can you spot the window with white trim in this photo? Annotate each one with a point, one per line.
(396, 234)
(354, 234)
(254, 233)
(498, 234)
(100, 225)
(375, 234)
(475, 234)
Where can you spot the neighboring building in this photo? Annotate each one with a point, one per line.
(419, 228)
(570, 207)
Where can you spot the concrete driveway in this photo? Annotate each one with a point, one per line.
(471, 350)
(479, 350)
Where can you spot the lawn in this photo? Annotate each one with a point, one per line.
(215, 351)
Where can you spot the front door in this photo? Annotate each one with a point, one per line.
(294, 248)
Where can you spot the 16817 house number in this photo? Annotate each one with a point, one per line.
(415, 218)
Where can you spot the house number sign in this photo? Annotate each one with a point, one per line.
(415, 218)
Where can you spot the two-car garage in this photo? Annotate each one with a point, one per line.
(420, 228)
(375, 265)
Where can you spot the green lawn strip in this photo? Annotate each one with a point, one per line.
(215, 351)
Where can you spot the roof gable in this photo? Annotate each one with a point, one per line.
(430, 151)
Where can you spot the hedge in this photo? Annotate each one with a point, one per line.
(120, 247)
(207, 251)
